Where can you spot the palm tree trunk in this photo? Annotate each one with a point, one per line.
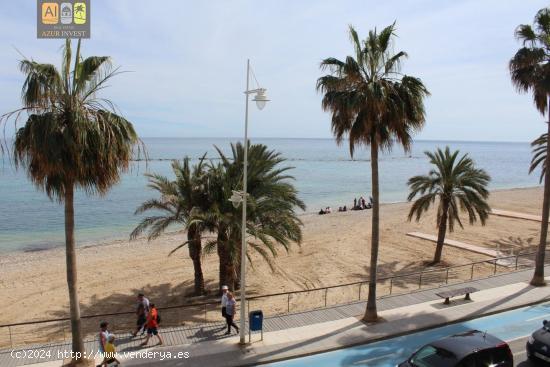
(441, 232)
(195, 252)
(222, 257)
(371, 313)
(538, 276)
(226, 272)
(76, 327)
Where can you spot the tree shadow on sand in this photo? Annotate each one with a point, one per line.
(513, 245)
(120, 308)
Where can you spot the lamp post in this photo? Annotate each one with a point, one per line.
(239, 197)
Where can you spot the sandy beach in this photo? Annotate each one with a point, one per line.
(335, 250)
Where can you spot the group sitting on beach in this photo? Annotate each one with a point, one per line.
(360, 204)
(327, 210)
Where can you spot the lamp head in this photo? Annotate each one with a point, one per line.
(236, 198)
(260, 98)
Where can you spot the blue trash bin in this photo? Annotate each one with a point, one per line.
(255, 323)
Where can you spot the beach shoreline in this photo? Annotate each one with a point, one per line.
(109, 240)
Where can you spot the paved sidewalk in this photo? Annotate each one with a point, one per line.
(213, 333)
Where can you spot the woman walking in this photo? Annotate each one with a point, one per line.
(230, 309)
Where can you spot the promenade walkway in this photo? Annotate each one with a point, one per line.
(179, 336)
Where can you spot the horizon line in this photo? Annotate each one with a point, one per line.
(325, 138)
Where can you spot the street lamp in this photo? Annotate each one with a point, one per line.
(239, 197)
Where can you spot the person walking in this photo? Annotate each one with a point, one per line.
(225, 290)
(110, 352)
(142, 309)
(152, 325)
(103, 337)
(230, 310)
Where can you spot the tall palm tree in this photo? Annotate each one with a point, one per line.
(373, 104)
(179, 202)
(530, 71)
(71, 140)
(458, 185)
(539, 155)
(271, 208)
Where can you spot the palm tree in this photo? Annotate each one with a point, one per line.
(530, 71)
(271, 217)
(374, 105)
(458, 185)
(179, 202)
(539, 155)
(71, 140)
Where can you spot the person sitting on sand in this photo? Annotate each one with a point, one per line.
(328, 210)
(345, 209)
(321, 212)
(340, 209)
(110, 352)
(152, 325)
(354, 204)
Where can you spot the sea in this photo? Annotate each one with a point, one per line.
(325, 175)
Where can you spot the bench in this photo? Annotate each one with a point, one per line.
(456, 292)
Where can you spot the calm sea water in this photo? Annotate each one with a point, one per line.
(325, 176)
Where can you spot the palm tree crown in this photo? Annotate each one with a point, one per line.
(530, 66)
(368, 96)
(71, 136)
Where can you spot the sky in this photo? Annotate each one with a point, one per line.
(186, 62)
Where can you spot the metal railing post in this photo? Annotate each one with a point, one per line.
(205, 318)
(420, 281)
(517, 257)
(391, 285)
(11, 340)
(472, 273)
(360, 285)
(447, 277)
(288, 303)
(326, 290)
(495, 271)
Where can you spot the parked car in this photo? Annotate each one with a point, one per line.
(473, 348)
(538, 344)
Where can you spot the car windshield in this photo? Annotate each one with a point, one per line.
(430, 356)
